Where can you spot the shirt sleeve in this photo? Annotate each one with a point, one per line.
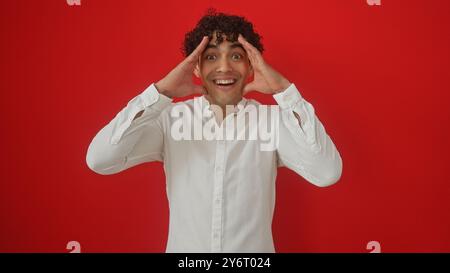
(304, 146)
(125, 142)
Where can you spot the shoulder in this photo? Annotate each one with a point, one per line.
(181, 106)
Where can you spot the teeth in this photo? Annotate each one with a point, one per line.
(224, 81)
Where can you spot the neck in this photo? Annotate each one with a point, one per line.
(224, 108)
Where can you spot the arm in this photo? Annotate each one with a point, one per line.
(304, 145)
(134, 136)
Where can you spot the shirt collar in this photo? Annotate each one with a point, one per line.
(239, 107)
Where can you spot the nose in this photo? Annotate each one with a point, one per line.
(223, 65)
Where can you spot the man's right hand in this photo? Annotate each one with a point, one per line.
(179, 83)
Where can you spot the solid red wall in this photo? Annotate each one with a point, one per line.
(378, 76)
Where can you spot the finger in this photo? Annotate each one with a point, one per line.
(253, 53)
(199, 49)
(250, 55)
(248, 45)
(244, 43)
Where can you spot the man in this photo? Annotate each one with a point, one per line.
(221, 190)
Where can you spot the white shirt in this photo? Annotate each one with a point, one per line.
(221, 192)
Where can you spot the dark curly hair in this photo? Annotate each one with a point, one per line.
(223, 24)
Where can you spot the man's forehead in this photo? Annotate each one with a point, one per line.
(226, 44)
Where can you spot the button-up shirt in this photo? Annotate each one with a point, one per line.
(221, 190)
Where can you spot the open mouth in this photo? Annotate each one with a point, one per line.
(225, 84)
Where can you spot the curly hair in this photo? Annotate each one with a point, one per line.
(222, 24)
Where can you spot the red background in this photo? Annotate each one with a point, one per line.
(378, 77)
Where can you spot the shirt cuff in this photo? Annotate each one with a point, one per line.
(289, 97)
(151, 97)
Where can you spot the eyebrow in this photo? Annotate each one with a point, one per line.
(235, 45)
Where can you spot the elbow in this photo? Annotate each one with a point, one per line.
(95, 164)
(329, 179)
(331, 175)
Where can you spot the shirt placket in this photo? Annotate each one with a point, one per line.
(217, 208)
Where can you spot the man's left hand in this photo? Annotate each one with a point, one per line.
(266, 79)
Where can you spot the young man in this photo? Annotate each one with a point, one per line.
(221, 189)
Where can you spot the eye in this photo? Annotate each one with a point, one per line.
(210, 57)
(236, 57)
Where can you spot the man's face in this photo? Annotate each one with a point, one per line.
(224, 70)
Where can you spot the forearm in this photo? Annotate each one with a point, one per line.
(104, 157)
